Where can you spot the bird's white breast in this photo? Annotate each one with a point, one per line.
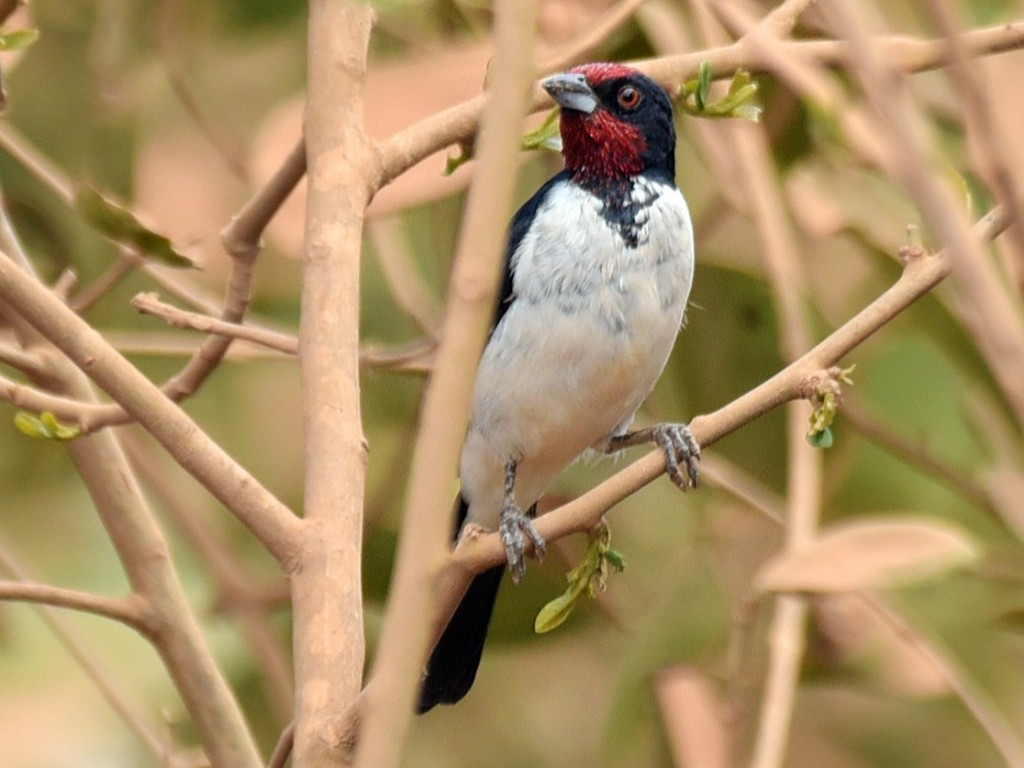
(589, 331)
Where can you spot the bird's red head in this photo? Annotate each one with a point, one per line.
(616, 122)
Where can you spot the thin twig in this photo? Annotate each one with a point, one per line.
(283, 749)
(150, 304)
(127, 611)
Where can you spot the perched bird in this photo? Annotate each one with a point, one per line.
(598, 269)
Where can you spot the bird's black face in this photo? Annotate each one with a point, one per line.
(616, 122)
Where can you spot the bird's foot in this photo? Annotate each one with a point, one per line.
(514, 524)
(678, 443)
(680, 447)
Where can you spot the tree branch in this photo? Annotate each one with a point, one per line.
(128, 611)
(150, 304)
(329, 646)
(269, 520)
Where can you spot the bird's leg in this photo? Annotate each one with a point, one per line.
(675, 440)
(514, 523)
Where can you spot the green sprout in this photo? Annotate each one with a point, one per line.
(589, 577)
(18, 39)
(45, 426)
(825, 400)
(739, 101)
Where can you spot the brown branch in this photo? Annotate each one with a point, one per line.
(241, 237)
(24, 361)
(283, 749)
(150, 304)
(691, 711)
(127, 611)
(328, 632)
(271, 522)
(750, 147)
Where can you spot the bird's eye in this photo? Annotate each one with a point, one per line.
(629, 97)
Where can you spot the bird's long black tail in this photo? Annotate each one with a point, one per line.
(456, 657)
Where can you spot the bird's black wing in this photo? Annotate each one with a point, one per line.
(517, 231)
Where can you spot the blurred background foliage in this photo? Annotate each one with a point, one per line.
(183, 108)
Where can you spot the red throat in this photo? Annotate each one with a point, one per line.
(600, 146)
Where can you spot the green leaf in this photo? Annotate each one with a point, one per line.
(589, 577)
(820, 439)
(45, 426)
(554, 614)
(545, 135)
(826, 406)
(120, 225)
(615, 559)
(740, 100)
(18, 39)
(703, 86)
(451, 165)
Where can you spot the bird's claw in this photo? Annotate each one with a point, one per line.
(679, 446)
(515, 523)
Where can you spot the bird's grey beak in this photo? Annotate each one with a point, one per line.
(570, 91)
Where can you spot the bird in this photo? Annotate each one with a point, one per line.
(598, 268)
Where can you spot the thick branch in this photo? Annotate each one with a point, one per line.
(327, 596)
